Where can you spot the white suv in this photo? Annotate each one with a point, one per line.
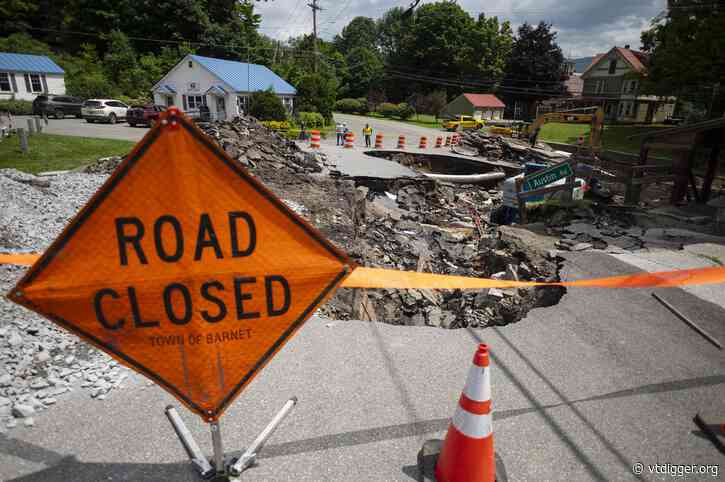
(107, 110)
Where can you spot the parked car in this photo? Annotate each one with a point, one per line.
(144, 114)
(465, 121)
(106, 110)
(57, 106)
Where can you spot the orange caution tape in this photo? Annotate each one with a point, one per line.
(393, 279)
(385, 278)
(22, 259)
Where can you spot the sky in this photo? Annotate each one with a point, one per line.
(585, 27)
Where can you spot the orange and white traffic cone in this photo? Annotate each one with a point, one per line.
(349, 140)
(439, 142)
(401, 142)
(378, 141)
(467, 454)
(315, 139)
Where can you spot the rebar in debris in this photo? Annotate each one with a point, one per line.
(691, 324)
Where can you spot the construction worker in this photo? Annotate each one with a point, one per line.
(340, 131)
(368, 133)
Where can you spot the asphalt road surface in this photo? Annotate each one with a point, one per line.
(389, 128)
(70, 126)
(581, 391)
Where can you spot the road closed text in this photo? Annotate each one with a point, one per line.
(228, 298)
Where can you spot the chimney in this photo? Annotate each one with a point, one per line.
(626, 46)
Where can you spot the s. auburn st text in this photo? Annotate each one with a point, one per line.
(167, 241)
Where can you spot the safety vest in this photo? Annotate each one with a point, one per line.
(368, 131)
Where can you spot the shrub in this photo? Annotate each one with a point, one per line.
(265, 105)
(16, 107)
(348, 106)
(405, 111)
(386, 109)
(277, 125)
(364, 107)
(311, 119)
(135, 100)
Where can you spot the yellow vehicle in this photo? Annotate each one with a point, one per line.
(595, 117)
(464, 122)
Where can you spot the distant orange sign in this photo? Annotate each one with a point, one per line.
(185, 268)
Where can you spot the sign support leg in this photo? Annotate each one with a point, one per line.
(190, 446)
(221, 465)
(249, 456)
(216, 440)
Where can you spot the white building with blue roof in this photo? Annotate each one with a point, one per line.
(24, 77)
(224, 86)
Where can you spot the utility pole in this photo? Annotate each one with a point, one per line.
(314, 8)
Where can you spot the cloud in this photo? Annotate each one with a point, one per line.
(584, 27)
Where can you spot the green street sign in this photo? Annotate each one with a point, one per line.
(543, 178)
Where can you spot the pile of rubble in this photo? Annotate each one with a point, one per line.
(424, 226)
(507, 149)
(258, 147)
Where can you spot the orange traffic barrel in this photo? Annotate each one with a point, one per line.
(467, 454)
(423, 143)
(378, 141)
(401, 142)
(439, 142)
(455, 139)
(349, 140)
(314, 139)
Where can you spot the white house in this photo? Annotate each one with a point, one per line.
(23, 77)
(224, 86)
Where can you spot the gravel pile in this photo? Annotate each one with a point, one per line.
(38, 361)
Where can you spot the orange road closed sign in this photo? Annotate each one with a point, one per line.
(185, 268)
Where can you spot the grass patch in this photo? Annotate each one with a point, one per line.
(49, 152)
(613, 139)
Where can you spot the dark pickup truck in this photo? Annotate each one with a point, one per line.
(144, 114)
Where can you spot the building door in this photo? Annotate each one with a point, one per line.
(221, 108)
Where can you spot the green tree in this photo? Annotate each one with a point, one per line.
(120, 63)
(364, 72)
(360, 32)
(535, 68)
(266, 105)
(317, 92)
(22, 43)
(686, 54)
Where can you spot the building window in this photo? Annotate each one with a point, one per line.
(612, 66)
(5, 82)
(191, 64)
(35, 83)
(598, 87)
(628, 112)
(242, 101)
(632, 86)
(621, 109)
(196, 101)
